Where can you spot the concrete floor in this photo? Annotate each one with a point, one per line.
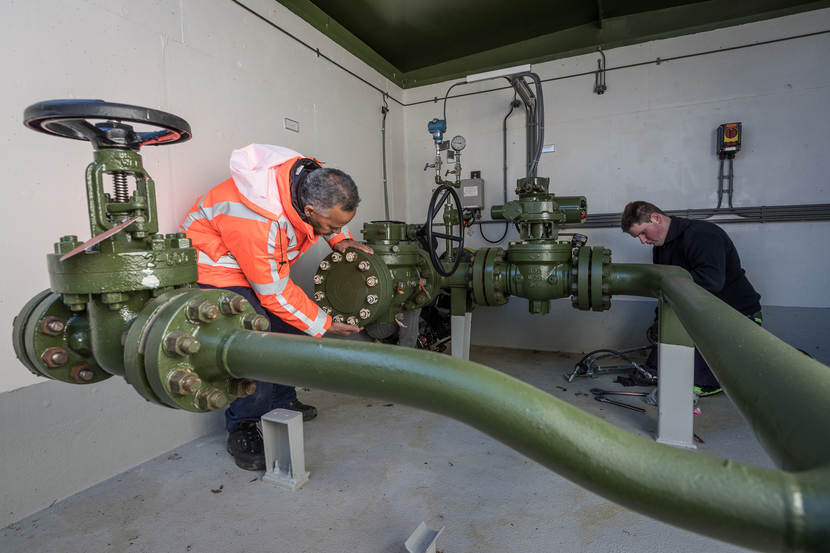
(377, 471)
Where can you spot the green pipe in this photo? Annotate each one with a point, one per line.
(783, 393)
(760, 508)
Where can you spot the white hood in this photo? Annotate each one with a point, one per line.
(251, 171)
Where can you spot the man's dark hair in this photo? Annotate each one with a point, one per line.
(325, 188)
(638, 212)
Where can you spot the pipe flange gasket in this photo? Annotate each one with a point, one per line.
(596, 279)
(583, 275)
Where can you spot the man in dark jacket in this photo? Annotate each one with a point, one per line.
(707, 252)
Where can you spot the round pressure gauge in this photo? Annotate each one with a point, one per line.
(458, 142)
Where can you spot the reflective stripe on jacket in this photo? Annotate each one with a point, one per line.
(248, 233)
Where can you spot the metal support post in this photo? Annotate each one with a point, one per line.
(282, 436)
(675, 365)
(460, 328)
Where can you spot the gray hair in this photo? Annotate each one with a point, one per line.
(326, 188)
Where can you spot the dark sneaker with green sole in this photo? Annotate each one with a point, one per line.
(704, 391)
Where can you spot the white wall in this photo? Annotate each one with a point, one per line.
(652, 136)
(229, 74)
(233, 78)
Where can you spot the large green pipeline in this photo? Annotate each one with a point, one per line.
(764, 509)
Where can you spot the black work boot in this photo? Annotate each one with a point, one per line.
(308, 411)
(246, 448)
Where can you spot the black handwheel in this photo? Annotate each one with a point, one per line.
(435, 203)
(70, 119)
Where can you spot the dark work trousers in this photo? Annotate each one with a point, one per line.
(703, 374)
(268, 396)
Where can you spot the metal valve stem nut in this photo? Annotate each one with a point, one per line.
(181, 343)
(324, 265)
(318, 279)
(233, 305)
(202, 311)
(55, 357)
(52, 326)
(365, 313)
(242, 387)
(352, 320)
(183, 382)
(371, 299)
(318, 295)
(351, 256)
(363, 265)
(371, 281)
(210, 398)
(336, 257)
(255, 321)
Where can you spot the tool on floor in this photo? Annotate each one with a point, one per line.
(601, 396)
(589, 364)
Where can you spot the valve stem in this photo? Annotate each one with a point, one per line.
(119, 181)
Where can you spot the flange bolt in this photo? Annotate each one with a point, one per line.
(351, 256)
(371, 281)
(352, 320)
(324, 265)
(55, 357)
(210, 398)
(255, 321)
(242, 387)
(181, 343)
(363, 265)
(202, 311)
(84, 374)
(183, 382)
(371, 299)
(365, 313)
(318, 279)
(336, 257)
(318, 295)
(233, 305)
(52, 326)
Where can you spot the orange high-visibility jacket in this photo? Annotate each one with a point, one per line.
(248, 233)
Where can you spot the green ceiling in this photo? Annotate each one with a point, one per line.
(418, 42)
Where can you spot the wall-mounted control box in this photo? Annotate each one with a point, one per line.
(471, 192)
(729, 139)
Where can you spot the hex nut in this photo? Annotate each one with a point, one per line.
(55, 357)
(210, 398)
(52, 326)
(371, 281)
(336, 257)
(83, 374)
(181, 343)
(351, 256)
(255, 321)
(324, 265)
(363, 265)
(365, 313)
(183, 382)
(233, 305)
(202, 311)
(241, 387)
(318, 279)
(337, 318)
(371, 299)
(352, 320)
(318, 295)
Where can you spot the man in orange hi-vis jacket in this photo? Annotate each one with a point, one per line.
(248, 231)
